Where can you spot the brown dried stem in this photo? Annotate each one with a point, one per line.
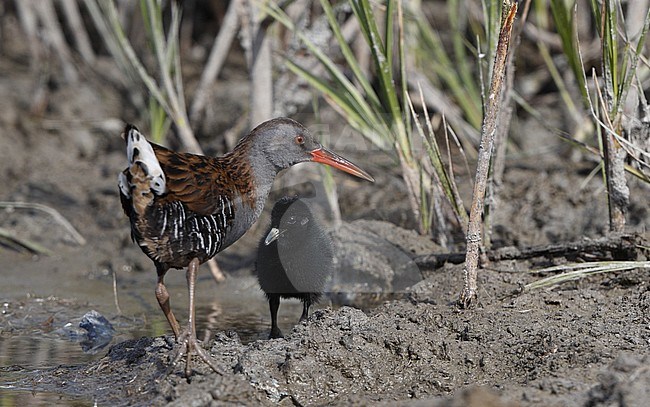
(220, 48)
(488, 130)
(56, 215)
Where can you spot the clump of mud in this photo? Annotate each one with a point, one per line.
(565, 345)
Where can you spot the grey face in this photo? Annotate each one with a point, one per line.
(288, 143)
(285, 142)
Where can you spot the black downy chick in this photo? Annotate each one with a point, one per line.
(294, 259)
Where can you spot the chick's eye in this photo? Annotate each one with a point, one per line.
(300, 140)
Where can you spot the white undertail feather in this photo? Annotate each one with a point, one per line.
(139, 151)
(124, 185)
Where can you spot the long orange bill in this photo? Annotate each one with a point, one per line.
(324, 156)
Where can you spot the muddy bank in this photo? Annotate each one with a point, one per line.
(583, 343)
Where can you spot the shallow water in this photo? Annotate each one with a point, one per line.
(13, 397)
(33, 333)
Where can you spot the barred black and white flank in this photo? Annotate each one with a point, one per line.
(169, 232)
(185, 208)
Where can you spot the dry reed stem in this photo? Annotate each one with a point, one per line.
(54, 34)
(79, 33)
(488, 130)
(56, 215)
(218, 54)
(495, 180)
(260, 68)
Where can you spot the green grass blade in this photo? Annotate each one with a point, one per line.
(566, 27)
(558, 79)
(406, 117)
(389, 29)
(331, 68)
(351, 60)
(114, 23)
(633, 60)
(436, 59)
(462, 68)
(383, 63)
(345, 105)
(435, 158)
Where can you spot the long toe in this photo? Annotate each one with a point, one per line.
(205, 356)
(188, 345)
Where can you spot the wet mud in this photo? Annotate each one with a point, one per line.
(399, 341)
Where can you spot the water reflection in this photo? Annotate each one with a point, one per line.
(9, 397)
(32, 335)
(250, 322)
(20, 354)
(30, 339)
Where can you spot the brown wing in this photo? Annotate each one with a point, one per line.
(197, 181)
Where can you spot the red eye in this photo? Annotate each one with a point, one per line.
(300, 140)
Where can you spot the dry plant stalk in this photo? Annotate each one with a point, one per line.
(618, 196)
(488, 131)
(220, 47)
(260, 65)
(56, 215)
(618, 193)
